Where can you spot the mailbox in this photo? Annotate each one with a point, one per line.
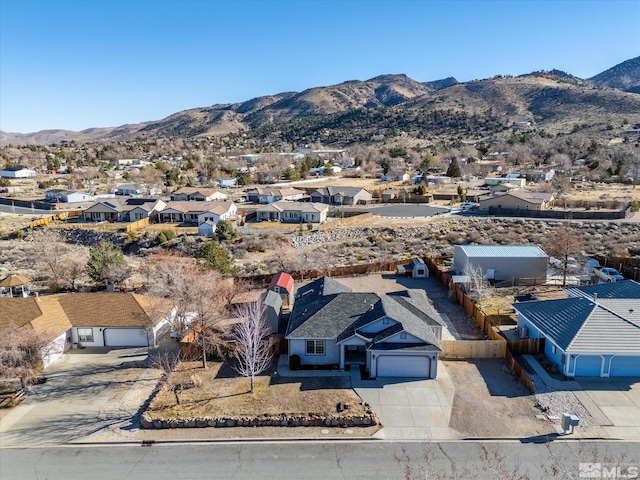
(569, 422)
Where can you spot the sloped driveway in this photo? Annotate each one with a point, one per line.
(410, 408)
(85, 392)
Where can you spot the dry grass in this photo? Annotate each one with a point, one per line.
(223, 393)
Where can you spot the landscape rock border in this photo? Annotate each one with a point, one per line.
(283, 420)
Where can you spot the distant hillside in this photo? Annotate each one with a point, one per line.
(624, 76)
(357, 110)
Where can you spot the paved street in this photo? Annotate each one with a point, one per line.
(312, 460)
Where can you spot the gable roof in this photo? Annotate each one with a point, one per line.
(537, 198)
(44, 315)
(193, 206)
(322, 286)
(330, 191)
(622, 289)
(282, 280)
(193, 190)
(288, 205)
(579, 325)
(272, 299)
(275, 192)
(508, 251)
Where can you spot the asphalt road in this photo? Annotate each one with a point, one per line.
(316, 460)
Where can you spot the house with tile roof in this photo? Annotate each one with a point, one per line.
(293, 212)
(393, 335)
(88, 320)
(585, 335)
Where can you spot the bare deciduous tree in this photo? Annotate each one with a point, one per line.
(253, 337)
(21, 350)
(563, 245)
(479, 284)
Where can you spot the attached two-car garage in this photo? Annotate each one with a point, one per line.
(417, 366)
(607, 366)
(125, 337)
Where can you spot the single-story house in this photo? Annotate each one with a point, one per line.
(341, 195)
(123, 210)
(270, 195)
(197, 194)
(282, 283)
(414, 269)
(396, 176)
(584, 337)
(88, 320)
(197, 212)
(519, 199)
(629, 289)
(502, 187)
(227, 182)
(17, 172)
(502, 262)
(67, 196)
(135, 190)
(518, 181)
(293, 212)
(394, 335)
(541, 175)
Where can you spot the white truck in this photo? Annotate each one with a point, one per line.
(607, 274)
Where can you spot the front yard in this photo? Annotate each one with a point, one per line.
(222, 393)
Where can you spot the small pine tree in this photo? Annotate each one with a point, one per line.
(453, 170)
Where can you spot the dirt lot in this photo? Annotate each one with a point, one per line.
(489, 401)
(224, 393)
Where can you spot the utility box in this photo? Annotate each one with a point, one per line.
(569, 422)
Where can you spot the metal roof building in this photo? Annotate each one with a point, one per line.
(503, 261)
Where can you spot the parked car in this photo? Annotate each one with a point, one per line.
(466, 206)
(607, 274)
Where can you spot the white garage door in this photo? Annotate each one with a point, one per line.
(403, 366)
(125, 337)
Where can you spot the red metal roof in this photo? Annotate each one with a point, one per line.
(282, 280)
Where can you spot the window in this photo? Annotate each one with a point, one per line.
(85, 334)
(315, 347)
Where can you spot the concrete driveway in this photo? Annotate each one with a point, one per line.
(86, 391)
(614, 403)
(410, 408)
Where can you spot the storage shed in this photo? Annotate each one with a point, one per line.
(501, 262)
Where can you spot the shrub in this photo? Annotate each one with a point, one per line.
(132, 237)
(44, 184)
(17, 233)
(294, 362)
(635, 206)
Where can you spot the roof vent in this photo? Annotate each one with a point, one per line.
(371, 306)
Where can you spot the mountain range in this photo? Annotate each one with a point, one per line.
(354, 110)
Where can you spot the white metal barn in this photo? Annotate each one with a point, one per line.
(502, 261)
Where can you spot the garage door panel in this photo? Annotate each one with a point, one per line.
(588, 366)
(625, 367)
(125, 337)
(403, 366)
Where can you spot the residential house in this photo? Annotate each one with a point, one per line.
(282, 284)
(586, 337)
(88, 319)
(397, 175)
(196, 212)
(66, 196)
(541, 175)
(341, 195)
(17, 172)
(394, 335)
(629, 289)
(227, 182)
(517, 181)
(206, 228)
(293, 212)
(503, 262)
(136, 190)
(123, 210)
(502, 187)
(197, 194)
(519, 199)
(414, 269)
(270, 195)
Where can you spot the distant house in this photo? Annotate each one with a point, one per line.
(270, 195)
(341, 195)
(17, 172)
(293, 212)
(396, 176)
(519, 199)
(502, 187)
(502, 261)
(414, 269)
(517, 181)
(227, 182)
(135, 190)
(67, 196)
(123, 210)
(393, 335)
(197, 194)
(196, 212)
(541, 175)
(586, 337)
(282, 284)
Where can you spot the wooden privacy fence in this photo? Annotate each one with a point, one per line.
(137, 225)
(473, 348)
(507, 348)
(57, 217)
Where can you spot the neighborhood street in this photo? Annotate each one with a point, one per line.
(317, 460)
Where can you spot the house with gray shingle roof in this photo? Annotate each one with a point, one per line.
(341, 195)
(393, 335)
(594, 337)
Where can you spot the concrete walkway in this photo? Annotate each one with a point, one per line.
(410, 408)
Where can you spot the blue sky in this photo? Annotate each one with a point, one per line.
(83, 63)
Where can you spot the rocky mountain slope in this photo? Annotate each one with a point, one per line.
(355, 110)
